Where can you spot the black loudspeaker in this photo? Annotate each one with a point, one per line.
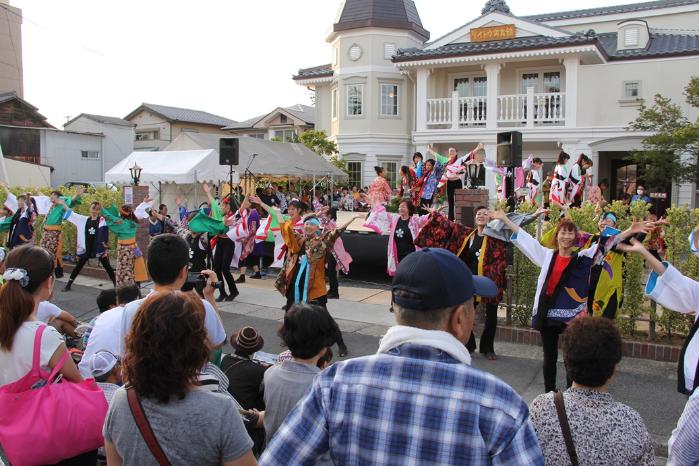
(228, 151)
(509, 149)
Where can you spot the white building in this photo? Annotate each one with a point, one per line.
(91, 164)
(282, 123)
(568, 80)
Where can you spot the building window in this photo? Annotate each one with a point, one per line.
(389, 99)
(631, 36)
(90, 154)
(389, 49)
(391, 172)
(354, 100)
(333, 103)
(354, 171)
(256, 135)
(148, 135)
(632, 90)
(285, 135)
(552, 81)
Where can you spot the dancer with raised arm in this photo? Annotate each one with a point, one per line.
(51, 235)
(92, 241)
(123, 222)
(563, 284)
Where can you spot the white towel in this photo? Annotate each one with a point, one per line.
(401, 334)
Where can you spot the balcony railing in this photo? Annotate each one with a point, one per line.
(530, 109)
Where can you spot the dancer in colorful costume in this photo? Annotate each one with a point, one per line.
(51, 235)
(123, 222)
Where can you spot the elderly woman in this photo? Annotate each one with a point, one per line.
(602, 430)
(165, 351)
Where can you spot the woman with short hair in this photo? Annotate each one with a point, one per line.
(165, 351)
(603, 431)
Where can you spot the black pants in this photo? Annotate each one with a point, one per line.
(225, 248)
(549, 340)
(452, 186)
(103, 260)
(252, 261)
(488, 335)
(331, 272)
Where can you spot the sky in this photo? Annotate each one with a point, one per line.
(234, 58)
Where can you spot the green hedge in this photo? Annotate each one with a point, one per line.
(104, 196)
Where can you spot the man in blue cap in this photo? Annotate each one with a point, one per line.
(418, 400)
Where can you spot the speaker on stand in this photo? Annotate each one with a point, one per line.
(229, 154)
(509, 154)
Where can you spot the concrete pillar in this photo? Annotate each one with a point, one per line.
(421, 98)
(572, 65)
(492, 71)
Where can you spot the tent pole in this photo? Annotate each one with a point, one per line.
(195, 188)
(314, 186)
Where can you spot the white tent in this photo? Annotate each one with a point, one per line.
(179, 167)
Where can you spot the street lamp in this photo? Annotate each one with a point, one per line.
(135, 173)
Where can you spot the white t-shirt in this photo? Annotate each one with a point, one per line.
(17, 363)
(105, 335)
(46, 311)
(212, 322)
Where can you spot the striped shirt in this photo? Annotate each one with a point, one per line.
(683, 446)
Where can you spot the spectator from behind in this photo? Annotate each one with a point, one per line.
(105, 368)
(28, 281)
(307, 332)
(105, 332)
(604, 431)
(245, 378)
(165, 350)
(682, 446)
(418, 401)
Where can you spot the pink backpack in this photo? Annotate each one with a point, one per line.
(44, 420)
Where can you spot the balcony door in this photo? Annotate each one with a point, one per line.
(472, 111)
(546, 82)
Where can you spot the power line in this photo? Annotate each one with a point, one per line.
(24, 18)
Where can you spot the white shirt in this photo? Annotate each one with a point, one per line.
(17, 363)
(105, 335)
(212, 322)
(46, 311)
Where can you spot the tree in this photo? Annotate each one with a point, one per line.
(671, 153)
(319, 143)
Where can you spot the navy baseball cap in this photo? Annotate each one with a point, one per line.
(437, 279)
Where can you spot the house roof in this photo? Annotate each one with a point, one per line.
(610, 10)
(12, 95)
(478, 48)
(314, 72)
(393, 14)
(185, 115)
(300, 111)
(102, 119)
(659, 45)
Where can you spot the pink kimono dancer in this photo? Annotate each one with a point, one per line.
(384, 223)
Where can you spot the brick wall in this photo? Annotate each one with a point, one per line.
(142, 238)
(464, 202)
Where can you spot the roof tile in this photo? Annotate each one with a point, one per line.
(609, 10)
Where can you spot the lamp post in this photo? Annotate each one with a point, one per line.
(135, 173)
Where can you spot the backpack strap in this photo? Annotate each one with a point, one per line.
(565, 427)
(145, 428)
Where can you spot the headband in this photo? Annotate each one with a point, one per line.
(313, 221)
(611, 215)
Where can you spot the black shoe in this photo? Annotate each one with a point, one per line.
(285, 307)
(58, 273)
(232, 296)
(67, 287)
(241, 279)
(256, 275)
(343, 351)
(221, 297)
(333, 295)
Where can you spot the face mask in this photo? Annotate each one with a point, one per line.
(639, 192)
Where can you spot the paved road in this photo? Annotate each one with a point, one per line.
(647, 386)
